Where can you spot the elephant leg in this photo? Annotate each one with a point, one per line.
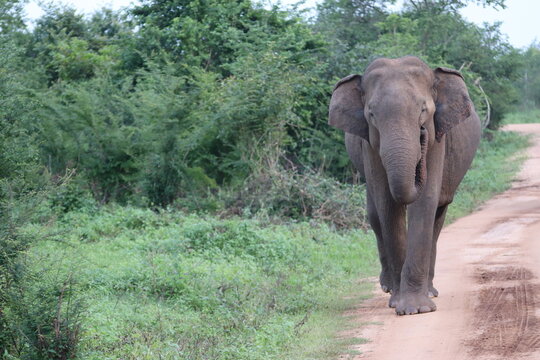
(421, 214)
(393, 231)
(385, 278)
(390, 222)
(414, 297)
(440, 215)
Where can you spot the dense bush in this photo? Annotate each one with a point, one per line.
(290, 194)
(43, 316)
(174, 100)
(34, 321)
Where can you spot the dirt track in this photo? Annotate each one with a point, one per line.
(488, 276)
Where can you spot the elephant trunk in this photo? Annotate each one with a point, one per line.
(405, 163)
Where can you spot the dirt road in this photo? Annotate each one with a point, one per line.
(488, 276)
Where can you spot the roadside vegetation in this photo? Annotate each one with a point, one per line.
(523, 117)
(129, 282)
(176, 286)
(169, 187)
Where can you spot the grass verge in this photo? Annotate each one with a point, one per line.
(522, 117)
(176, 286)
(179, 286)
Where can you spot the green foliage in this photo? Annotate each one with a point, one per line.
(70, 195)
(451, 6)
(89, 126)
(529, 81)
(73, 60)
(216, 130)
(229, 29)
(288, 194)
(348, 25)
(208, 107)
(151, 114)
(183, 286)
(44, 317)
(19, 169)
(11, 19)
(33, 322)
(397, 37)
(523, 117)
(70, 47)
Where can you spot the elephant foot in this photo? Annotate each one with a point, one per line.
(385, 281)
(432, 292)
(394, 300)
(414, 303)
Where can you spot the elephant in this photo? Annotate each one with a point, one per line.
(412, 133)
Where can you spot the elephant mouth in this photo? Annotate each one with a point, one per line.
(420, 174)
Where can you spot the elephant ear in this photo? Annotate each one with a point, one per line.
(453, 104)
(346, 107)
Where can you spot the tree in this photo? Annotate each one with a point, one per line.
(529, 81)
(397, 37)
(442, 6)
(440, 35)
(212, 34)
(11, 18)
(349, 26)
(71, 47)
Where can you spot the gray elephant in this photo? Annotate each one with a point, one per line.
(412, 132)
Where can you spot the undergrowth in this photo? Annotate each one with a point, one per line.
(522, 117)
(175, 286)
(289, 194)
(134, 283)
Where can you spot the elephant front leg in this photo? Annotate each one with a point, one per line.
(415, 276)
(414, 288)
(388, 220)
(393, 236)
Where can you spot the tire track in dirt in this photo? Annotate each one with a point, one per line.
(505, 321)
(488, 275)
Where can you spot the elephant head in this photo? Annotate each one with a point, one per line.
(400, 107)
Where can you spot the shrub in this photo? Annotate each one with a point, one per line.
(288, 193)
(44, 317)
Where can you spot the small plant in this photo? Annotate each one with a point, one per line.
(44, 318)
(70, 194)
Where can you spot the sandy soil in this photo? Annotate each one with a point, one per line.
(488, 276)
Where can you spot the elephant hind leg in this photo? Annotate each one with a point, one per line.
(440, 215)
(385, 278)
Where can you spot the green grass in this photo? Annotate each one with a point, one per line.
(522, 117)
(177, 286)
